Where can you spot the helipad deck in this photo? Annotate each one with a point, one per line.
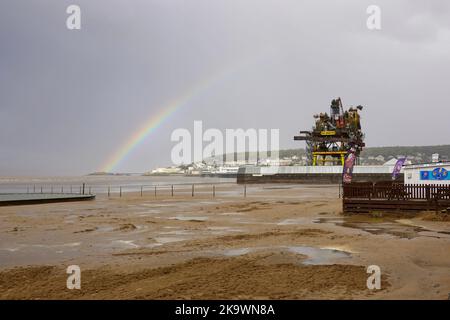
(12, 199)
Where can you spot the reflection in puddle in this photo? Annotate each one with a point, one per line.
(317, 256)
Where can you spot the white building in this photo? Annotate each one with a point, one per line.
(278, 162)
(428, 173)
(228, 170)
(169, 170)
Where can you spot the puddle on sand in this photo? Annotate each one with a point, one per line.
(237, 252)
(383, 226)
(294, 221)
(71, 219)
(164, 240)
(177, 232)
(253, 221)
(328, 220)
(35, 254)
(124, 244)
(105, 228)
(319, 256)
(186, 218)
(11, 249)
(224, 229)
(315, 256)
(435, 234)
(147, 212)
(72, 244)
(232, 214)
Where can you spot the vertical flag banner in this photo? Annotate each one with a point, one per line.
(349, 162)
(398, 167)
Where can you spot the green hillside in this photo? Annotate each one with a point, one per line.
(377, 155)
(415, 154)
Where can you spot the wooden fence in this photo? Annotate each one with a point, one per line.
(387, 196)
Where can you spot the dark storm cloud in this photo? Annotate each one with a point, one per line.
(69, 99)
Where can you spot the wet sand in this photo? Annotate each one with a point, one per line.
(279, 242)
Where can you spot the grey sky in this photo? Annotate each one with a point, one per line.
(70, 99)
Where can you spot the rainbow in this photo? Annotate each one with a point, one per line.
(155, 121)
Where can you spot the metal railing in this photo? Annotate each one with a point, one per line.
(114, 190)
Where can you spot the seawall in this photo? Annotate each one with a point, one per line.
(312, 174)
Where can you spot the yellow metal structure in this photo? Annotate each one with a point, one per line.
(324, 154)
(328, 133)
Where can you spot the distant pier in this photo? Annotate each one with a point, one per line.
(17, 199)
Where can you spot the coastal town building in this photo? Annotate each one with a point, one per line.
(428, 173)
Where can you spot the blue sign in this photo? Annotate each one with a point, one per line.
(436, 174)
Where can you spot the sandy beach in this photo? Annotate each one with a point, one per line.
(278, 242)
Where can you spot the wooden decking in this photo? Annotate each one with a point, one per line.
(389, 196)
